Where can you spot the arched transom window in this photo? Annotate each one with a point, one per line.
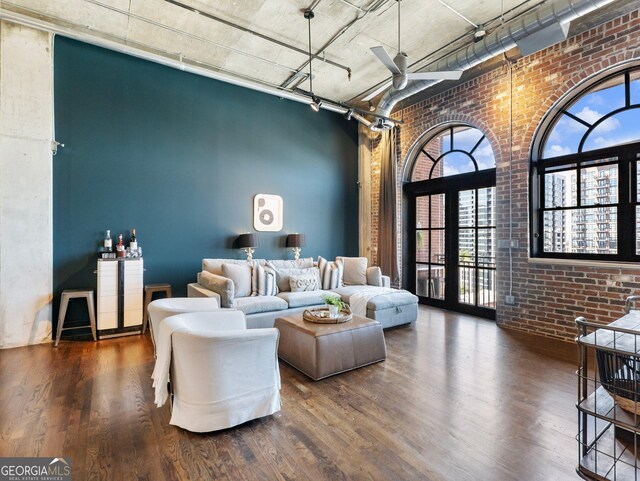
(585, 173)
(454, 149)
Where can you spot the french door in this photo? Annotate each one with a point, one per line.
(452, 242)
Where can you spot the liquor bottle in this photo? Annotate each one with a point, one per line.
(120, 244)
(133, 243)
(108, 243)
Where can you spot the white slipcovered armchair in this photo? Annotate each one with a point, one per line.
(222, 374)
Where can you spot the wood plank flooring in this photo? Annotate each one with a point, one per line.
(458, 399)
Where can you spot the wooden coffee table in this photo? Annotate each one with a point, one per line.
(322, 350)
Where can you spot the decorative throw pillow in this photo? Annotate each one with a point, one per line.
(330, 273)
(305, 282)
(355, 270)
(240, 274)
(283, 275)
(264, 281)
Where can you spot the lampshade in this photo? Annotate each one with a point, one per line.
(296, 240)
(247, 240)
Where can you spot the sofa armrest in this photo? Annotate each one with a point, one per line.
(375, 277)
(222, 286)
(196, 290)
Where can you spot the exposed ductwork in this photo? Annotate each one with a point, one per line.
(557, 12)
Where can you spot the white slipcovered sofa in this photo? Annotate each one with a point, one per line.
(221, 373)
(391, 307)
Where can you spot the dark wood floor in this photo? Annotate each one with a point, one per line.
(457, 399)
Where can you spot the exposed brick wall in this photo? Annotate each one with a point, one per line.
(549, 295)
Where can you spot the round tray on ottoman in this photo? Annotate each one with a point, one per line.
(321, 315)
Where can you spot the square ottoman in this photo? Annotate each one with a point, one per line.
(322, 350)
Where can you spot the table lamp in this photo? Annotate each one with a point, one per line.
(248, 242)
(296, 242)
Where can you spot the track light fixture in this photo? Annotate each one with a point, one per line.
(480, 33)
(380, 125)
(348, 114)
(315, 104)
(315, 101)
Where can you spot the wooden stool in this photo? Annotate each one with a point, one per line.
(149, 291)
(76, 294)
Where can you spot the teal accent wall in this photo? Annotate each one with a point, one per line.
(179, 157)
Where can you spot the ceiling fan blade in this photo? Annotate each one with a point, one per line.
(380, 89)
(386, 59)
(450, 75)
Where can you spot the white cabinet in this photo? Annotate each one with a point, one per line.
(120, 292)
(107, 295)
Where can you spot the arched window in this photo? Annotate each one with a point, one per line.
(585, 188)
(455, 149)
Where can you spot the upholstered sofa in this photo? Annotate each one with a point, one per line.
(389, 307)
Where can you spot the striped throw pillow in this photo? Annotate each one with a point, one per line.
(263, 281)
(331, 273)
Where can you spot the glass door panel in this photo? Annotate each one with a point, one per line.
(430, 245)
(437, 246)
(438, 211)
(476, 247)
(438, 280)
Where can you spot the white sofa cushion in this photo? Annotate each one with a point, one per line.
(240, 274)
(215, 265)
(303, 299)
(253, 305)
(355, 271)
(303, 263)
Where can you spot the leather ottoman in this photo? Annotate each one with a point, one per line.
(322, 350)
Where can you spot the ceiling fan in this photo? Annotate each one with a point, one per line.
(398, 67)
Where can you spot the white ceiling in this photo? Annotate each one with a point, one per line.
(429, 30)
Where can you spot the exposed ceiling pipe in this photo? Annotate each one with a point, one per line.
(361, 119)
(180, 64)
(496, 43)
(457, 13)
(255, 33)
(374, 6)
(183, 33)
